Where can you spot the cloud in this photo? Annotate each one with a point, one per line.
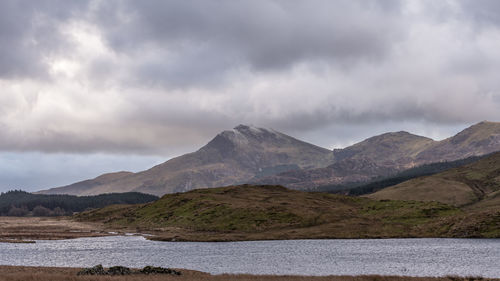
(195, 42)
(482, 11)
(163, 77)
(30, 35)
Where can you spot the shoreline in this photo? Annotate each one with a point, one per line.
(29, 229)
(34, 273)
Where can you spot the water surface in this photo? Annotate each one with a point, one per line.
(415, 257)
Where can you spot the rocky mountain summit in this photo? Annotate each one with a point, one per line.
(233, 156)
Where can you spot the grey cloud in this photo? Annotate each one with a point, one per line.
(29, 35)
(174, 73)
(199, 42)
(482, 11)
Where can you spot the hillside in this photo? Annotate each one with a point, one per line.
(21, 203)
(272, 212)
(345, 171)
(360, 188)
(464, 186)
(390, 153)
(233, 156)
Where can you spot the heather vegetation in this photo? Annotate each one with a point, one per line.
(20, 203)
(249, 212)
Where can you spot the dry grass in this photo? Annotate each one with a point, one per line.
(34, 228)
(14, 273)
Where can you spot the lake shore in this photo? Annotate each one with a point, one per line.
(14, 273)
(27, 229)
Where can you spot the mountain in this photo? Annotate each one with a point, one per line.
(348, 170)
(251, 212)
(479, 139)
(233, 156)
(378, 156)
(397, 150)
(475, 184)
(248, 154)
(86, 186)
(390, 153)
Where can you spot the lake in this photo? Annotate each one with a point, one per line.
(414, 257)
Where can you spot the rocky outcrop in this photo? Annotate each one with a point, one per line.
(122, 270)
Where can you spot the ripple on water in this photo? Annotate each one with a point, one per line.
(415, 257)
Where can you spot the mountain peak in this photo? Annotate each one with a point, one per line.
(244, 127)
(488, 122)
(394, 147)
(394, 137)
(243, 134)
(478, 139)
(252, 130)
(478, 132)
(484, 125)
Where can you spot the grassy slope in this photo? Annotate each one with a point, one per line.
(466, 185)
(475, 188)
(273, 212)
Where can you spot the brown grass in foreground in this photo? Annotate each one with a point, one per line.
(18, 273)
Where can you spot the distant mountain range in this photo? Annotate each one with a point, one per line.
(265, 156)
(388, 153)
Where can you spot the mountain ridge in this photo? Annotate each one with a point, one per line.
(232, 156)
(247, 154)
(397, 151)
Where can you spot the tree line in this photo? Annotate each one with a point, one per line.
(21, 203)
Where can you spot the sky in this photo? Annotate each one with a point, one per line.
(89, 87)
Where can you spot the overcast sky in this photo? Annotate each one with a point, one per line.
(88, 87)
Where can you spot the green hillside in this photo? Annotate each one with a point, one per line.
(463, 186)
(273, 212)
